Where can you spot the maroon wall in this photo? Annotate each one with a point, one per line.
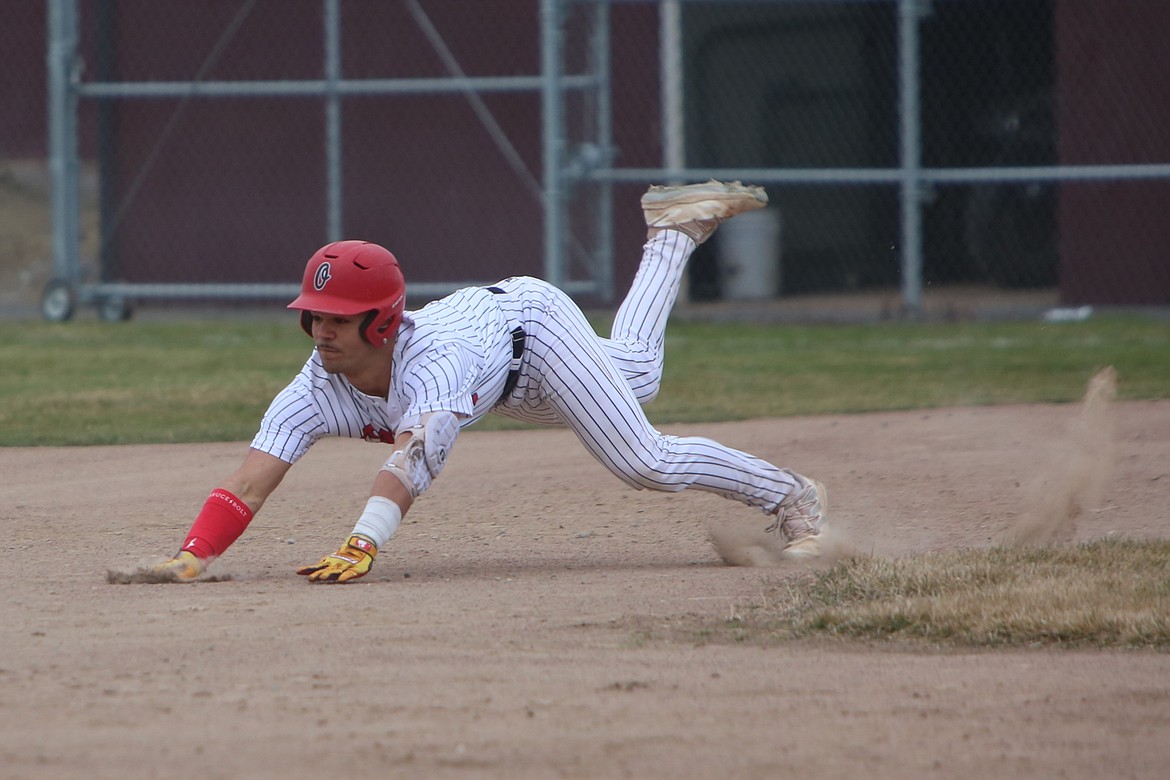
(234, 190)
(22, 80)
(1113, 106)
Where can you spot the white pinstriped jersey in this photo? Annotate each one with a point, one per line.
(452, 355)
(455, 355)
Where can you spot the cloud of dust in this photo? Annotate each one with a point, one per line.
(1071, 480)
(738, 546)
(147, 572)
(143, 574)
(742, 546)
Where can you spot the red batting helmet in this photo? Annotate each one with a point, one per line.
(354, 277)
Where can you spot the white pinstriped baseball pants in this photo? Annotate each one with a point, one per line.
(596, 386)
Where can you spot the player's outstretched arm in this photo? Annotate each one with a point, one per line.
(226, 513)
(389, 502)
(419, 455)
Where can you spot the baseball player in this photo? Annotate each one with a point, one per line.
(520, 348)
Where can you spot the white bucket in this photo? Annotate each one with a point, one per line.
(749, 255)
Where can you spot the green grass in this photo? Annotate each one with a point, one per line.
(741, 372)
(101, 383)
(88, 382)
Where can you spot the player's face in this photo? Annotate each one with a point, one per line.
(339, 343)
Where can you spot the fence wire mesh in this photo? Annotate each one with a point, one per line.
(210, 150)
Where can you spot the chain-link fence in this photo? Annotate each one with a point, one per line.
(204, 150)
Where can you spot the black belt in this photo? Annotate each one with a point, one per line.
(518, 339)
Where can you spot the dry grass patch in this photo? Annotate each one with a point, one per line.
(1109, 593)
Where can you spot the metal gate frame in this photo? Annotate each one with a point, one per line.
(914, 182)
(560, 173)
(68, 288)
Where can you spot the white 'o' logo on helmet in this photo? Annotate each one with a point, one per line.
(322, 277)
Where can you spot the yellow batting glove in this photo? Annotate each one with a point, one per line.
(353, 560)
(184, 567)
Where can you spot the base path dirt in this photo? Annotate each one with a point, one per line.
(507, 631)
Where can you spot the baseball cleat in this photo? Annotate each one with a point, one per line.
(697, 209)
(801, 518)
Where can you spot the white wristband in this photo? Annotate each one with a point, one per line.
(379, 521)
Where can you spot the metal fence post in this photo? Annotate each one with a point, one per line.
(670, 69)
(910, 153)
(335, 207)
(553, 122)
(603, 256)
(63, 150)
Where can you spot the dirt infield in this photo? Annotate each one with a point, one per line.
(498, 635)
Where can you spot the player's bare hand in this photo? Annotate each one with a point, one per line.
(184, 567)
(353, 560)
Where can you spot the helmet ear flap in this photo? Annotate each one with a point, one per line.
(367, 332)
(307, 322)
(375, 327)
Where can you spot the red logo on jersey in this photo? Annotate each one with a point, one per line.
(382, 435)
